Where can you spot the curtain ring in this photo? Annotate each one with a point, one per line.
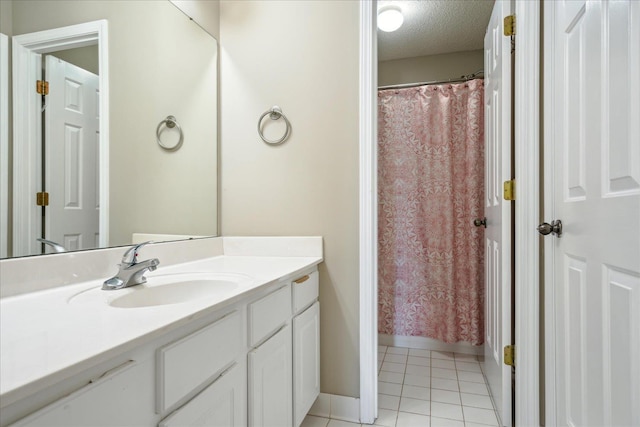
(274, 113)
(170, 122)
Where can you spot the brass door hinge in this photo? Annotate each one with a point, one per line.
(509, 189)
(42, 198)
(510, 355)
(510, 25)
(42, 87)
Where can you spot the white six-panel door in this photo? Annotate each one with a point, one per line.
(593, 173)
(71, 155)
(497, 67)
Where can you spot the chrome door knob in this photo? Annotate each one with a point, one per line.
(554, 228)
(479, 222)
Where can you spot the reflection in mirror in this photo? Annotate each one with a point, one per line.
(104, 173)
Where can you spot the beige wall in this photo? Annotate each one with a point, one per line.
(205, 13)
(83, 57)
(6, 26)
(302, 56)
(428, 68)
(160, 64)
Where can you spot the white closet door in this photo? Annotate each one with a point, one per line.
(593, 139)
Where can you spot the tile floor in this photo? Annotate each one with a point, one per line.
(422, 388)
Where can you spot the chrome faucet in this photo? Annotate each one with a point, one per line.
(131, 271)
(57, 247)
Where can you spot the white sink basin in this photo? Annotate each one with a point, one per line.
(167, 289)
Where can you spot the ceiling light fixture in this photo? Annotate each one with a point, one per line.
(390, 18)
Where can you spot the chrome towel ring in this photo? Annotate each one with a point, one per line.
(274, 113)
(170, 122)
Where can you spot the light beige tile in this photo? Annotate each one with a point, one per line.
(468, 366)
(443, 422)
(449, 374)
(476, 400)
(446, 410)
(475, 388)
(415, 392)
(389, 388)
(470, 424)
(442, 355)
(443, 384)
(419, 370)
(415, 406)
(393, 367)
(467, 357)
(480, 416)
(382, 348)
(419, 380)
(395, 358)
(473, 377)
(398, 350)
(419, 352)
(311, 421)
(445, 396)
(340, 423)
(388, 402)
(391, 377)
(406, 419)
(443, 363)
(421, 361)
(386, 418)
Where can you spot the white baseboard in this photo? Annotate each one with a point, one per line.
(429, 344)
(336, 407)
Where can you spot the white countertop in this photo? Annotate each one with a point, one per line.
(45, 339)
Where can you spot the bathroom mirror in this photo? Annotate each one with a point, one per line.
(160, 64)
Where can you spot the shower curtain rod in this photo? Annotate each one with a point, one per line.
(435, 82)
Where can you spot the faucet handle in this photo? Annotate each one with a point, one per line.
(131, 255)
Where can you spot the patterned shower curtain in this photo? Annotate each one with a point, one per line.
(430, 189)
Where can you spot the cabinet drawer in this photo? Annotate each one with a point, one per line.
(188, 363)
(305, 291)
(268, 314)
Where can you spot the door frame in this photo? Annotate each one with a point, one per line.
(527, 216)
(27, 129)
(4, 145)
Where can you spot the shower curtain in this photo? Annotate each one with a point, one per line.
(430, 189)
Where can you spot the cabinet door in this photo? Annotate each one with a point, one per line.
(121, 396)
(270, 382)
(222, 404)
(306, 361)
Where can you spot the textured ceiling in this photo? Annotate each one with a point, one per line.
(435, 26)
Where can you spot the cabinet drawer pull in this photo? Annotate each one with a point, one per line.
(302, 279)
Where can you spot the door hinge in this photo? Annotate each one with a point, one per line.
(510, 355)
(509, 189)
(42, 198)
(510, 25)
(42, 87)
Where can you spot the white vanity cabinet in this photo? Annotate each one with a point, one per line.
(222, 404)
(186, 365)
(306, 345)
(270, 375)
(270, 381)
(121, 396)
(252, 362)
